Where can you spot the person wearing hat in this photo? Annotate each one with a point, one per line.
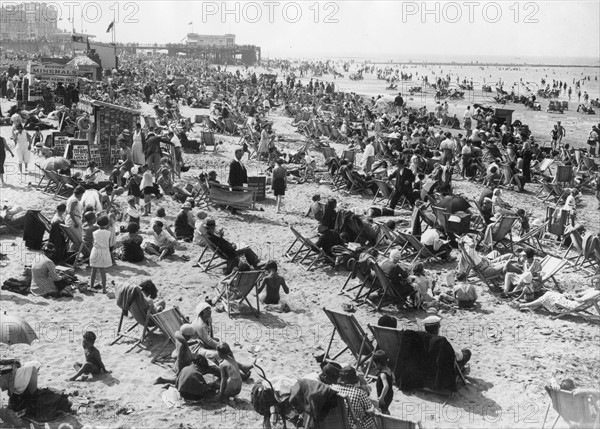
(185, 222)
(45, 281)
(432, 326)
(404, 179)
(532, 268)
(229, 249)
(490, 266)
(362, 409)
(153, 152)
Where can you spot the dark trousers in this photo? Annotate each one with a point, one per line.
(249, 254)
(399, 194)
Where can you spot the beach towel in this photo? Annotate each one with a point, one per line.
(126, 295)
(313, 397)
(425, 361)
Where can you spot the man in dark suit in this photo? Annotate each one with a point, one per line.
(237, 171)
(229, 249)
(404, 184)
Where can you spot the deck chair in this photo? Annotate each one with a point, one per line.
(353, 336)
(207, 138)
(557, 222)
(545, 164)
(384, 421)
(577, 245)
(500, 231)
(54, 185)
(207, 262)
(355, 185)
(491, 282)
(168, 322)
(140, 311)
(73, 259)
(507, 176)
(546, 192)
(349, 155)
(68, 186)
(389, 340)
(238, 289)
(230, 126)
(354, 269)
(564, 175)
(391, 236)
(328, 152)
(239, 198)
(532, 238)
(388, 294)
(576, 410)
(383, 193)
(420, 251)
(440, 219)
(583, 310)
(307, 250)
(551, 265)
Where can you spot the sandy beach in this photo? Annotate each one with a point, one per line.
(515, 353)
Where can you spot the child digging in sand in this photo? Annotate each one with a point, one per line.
(93, 363)
(231, 377)
(271, 283)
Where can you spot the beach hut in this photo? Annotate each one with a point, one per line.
(503, 115)
(86, 67)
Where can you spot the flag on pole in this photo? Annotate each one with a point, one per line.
(110, 26)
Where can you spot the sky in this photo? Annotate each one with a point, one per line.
(383, 30)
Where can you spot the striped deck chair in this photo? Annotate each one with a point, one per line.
(499, 232)
(576, 410)
(207, 262)
(383, 192)
(420, 251)
(545, 164)
(168, 322)
(532, 238)
(307, 250)
(207, 138)
(491, 282)
(353, 336)
(564, 175)
(240, 198)
(140, 311)
(546, 192)
(238, 289)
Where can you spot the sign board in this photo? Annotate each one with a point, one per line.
(81, 154)
(60, 144)
(85, 106)
(259, 184)
(51, 69)
(95, 154)
(55, 79)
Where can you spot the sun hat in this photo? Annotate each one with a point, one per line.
(348, 376)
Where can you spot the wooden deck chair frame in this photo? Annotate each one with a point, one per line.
(383, 193)
(307, 249)
(354, 184)
(329, 152)
(557, 228)
(532, 238)
(209, 263)
(54, 185)
(349, 155)
(353, 336)
(79, 244)
(564, 174)
(490, 282)
(146, 330)
(574, 409)
(168, 322)
(420, 249)
(354, 266)
(551, 265)
(582, 310)
(207, 138)
(577, 245)
(388, 292)
(243, 282)
(548, 189)
(391, 236)
(503, 232)
(336, 418)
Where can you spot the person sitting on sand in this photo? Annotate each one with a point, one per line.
(45, 281)
(93, 362)
(184, 223)
(271, 284)
(464, 292)
(231, 377)
(190, 381)
(133, 210)
(421, 285)
(199, 228)
(164, 243)
(161, 215)
(316, 208)
(132, 244)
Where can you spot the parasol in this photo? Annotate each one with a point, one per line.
(57, 163)
(454, 204)
(14, 330)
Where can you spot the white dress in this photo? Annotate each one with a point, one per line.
(137, 149)
(22, 152)
(100, 255)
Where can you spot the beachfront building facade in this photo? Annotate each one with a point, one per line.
(226, 40)
(28, 21)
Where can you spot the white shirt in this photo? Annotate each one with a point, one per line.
(369, 151)
(468, 114)
(175, 140)
(570, 203)
(163, 238)
(431, 238)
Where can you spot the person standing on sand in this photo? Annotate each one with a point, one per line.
(467, 118)
(3, 148)
(561, 132)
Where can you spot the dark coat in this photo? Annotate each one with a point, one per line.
(238, 175)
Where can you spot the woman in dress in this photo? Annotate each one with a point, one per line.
(3, 148)
(279, 183)
(556, 302)
(100, 257)
(263, 146)
(137, 148)
(23, 147)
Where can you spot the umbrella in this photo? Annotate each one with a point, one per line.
(14, 330)
(454, 204)
(57, 163)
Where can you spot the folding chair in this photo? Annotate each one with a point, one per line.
(558, 220)
(440, 219)
(388, 292)
(390, 340)
(328, 152)
(140, 311)
(583, 309)
(168, 322)
(54, 184)
(500, 231)
(546, 188)
(208, 139)
(354, 268)
(489, 281)
(238, 289)
(564, 175)
(336, 418)
(383, 193)
(209, 263)
(77, 244)
(384, 421)
(391, 236)
(239, 198)
(349, 155)
(355, 185)
(532, 238)
(576, 410)
(353, 336)
(230, 126)
(307, 249)
(420, 251)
